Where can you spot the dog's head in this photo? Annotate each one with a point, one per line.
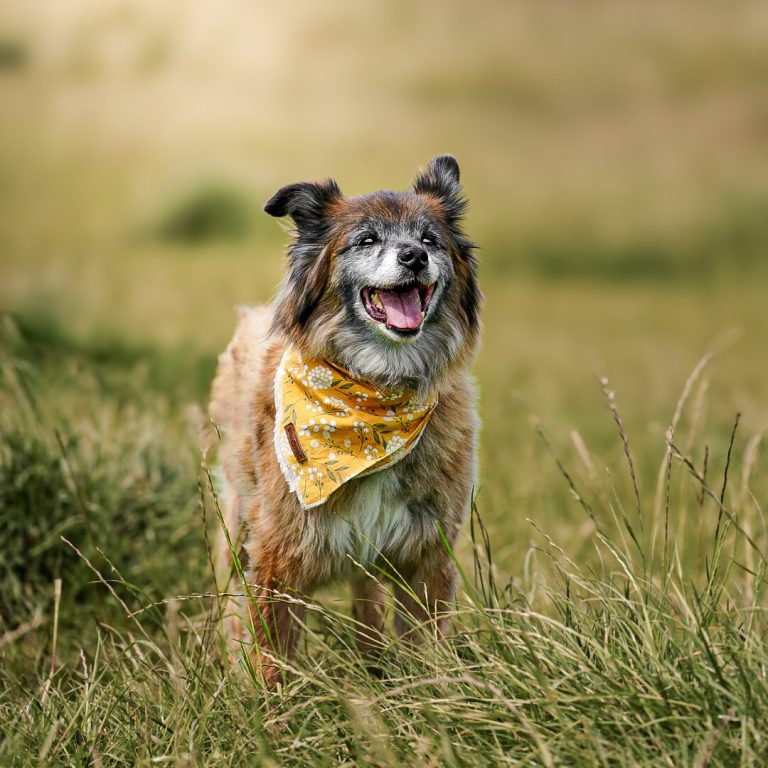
(384, 285)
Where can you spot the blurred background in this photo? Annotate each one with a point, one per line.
(615, 156)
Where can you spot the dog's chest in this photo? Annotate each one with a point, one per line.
(373, 519)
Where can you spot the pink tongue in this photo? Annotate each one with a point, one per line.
(403, 309)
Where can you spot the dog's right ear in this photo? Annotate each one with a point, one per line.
(307, 203)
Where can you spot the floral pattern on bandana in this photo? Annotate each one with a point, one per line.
(341, 428)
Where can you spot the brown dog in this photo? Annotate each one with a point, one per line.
(379, 307)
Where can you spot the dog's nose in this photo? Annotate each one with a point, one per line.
(413, 258)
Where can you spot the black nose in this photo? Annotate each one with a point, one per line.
(413, 258)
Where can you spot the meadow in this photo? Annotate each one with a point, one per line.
(612, 608)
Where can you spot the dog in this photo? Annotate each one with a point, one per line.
(380, 307)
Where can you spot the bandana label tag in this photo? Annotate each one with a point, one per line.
(293, 442)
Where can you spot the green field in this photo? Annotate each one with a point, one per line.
(615, 159)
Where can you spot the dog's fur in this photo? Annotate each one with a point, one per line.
(389, 519)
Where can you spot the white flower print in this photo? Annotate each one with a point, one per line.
(395, 443)
(415, 406)
(370, 452)
(299, 373)
(320, 377)
(360, 428)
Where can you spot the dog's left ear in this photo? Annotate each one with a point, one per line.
(441, 180)
(306, 203)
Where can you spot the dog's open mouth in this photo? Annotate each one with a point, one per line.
(401, 309)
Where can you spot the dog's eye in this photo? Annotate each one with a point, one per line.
(427, 239)
(367, 239)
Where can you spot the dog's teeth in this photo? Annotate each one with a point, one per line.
(376, 301)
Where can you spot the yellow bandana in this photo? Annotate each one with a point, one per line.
(330, 428)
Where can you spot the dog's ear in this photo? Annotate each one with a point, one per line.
(309, 205)
(306, 203)
(441, 180)
(441, 176)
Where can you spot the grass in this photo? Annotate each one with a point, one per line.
(642, 652)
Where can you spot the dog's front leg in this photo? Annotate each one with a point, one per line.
(275, 627)
(426, 594)
(368, 607)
